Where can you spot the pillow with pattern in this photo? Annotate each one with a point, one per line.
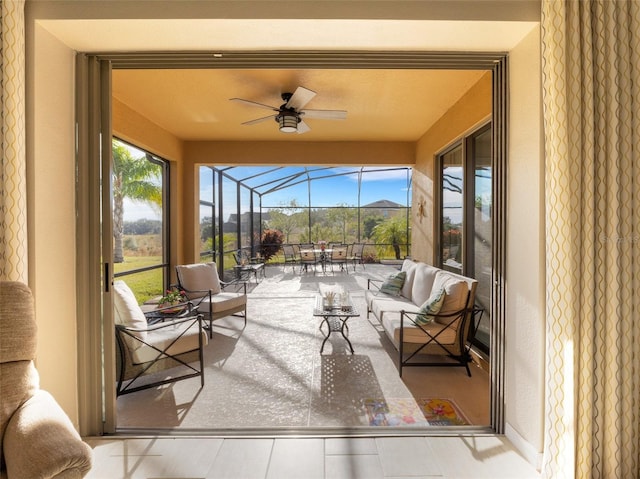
(430, 307)
(393, 284)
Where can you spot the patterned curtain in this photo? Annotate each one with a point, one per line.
(591, 82)
(13, 181)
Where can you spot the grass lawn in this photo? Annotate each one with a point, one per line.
(145, 285)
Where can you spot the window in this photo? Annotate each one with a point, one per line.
(208, 226)
(139, 220)
(466, 222)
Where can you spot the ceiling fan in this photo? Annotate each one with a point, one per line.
(290, 114)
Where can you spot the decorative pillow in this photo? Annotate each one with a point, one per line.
(408, 266)
(393, 283)
(198, 277)
(127, 311)
(430, 307)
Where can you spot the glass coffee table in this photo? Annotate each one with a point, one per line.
(335, 318)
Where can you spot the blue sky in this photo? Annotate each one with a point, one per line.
(390, 185)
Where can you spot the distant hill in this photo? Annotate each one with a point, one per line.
(383, 204)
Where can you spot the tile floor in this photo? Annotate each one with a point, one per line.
(455, 457)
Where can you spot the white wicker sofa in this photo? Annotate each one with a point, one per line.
(442, 331)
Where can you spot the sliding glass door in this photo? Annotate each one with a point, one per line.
(466, 222)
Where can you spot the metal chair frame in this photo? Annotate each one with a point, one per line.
(130, 372)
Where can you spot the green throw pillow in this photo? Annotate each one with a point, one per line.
(430, 307)
(394, 283)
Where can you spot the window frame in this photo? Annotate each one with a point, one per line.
(467, 243)
(165, 218)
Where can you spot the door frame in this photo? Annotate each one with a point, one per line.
(97, 383)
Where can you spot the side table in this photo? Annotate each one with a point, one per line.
(336, 320)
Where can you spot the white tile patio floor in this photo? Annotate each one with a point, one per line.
(459, 457)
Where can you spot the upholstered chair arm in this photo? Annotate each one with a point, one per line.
(40, 442)
(455, 320)
(374, 284)
(171, 322)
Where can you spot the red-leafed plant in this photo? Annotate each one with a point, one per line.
(270, 243)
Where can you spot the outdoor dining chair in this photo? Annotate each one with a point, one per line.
(245, 265)
(308, 258)
(356, 256)
(338, 256)
(290, 256)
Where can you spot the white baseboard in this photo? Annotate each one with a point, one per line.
(532, 456)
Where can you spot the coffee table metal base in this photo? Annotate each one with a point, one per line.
(335, 324)
(336, 320)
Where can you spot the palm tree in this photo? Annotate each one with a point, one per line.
(392, 231)
(133, 178)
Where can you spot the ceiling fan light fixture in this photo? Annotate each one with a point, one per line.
(288, 122)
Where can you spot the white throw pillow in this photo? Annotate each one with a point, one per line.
(127, 311)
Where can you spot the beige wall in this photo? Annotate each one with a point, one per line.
(301, 153)
(51, 212)
(525, 282)
(133, 127)
(470, 112)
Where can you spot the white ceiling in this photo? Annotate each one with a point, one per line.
(384, 105)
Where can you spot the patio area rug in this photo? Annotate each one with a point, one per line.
(414, 412)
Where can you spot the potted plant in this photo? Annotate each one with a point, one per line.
(172, 297)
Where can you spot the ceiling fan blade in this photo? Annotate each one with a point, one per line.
(254, 103)
(258, 120)
(325, 114)
(303, 127)
(300, 98)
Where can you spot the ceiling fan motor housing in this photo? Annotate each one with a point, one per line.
(288, 120)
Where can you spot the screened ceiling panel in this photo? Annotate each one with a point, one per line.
(323, 186)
